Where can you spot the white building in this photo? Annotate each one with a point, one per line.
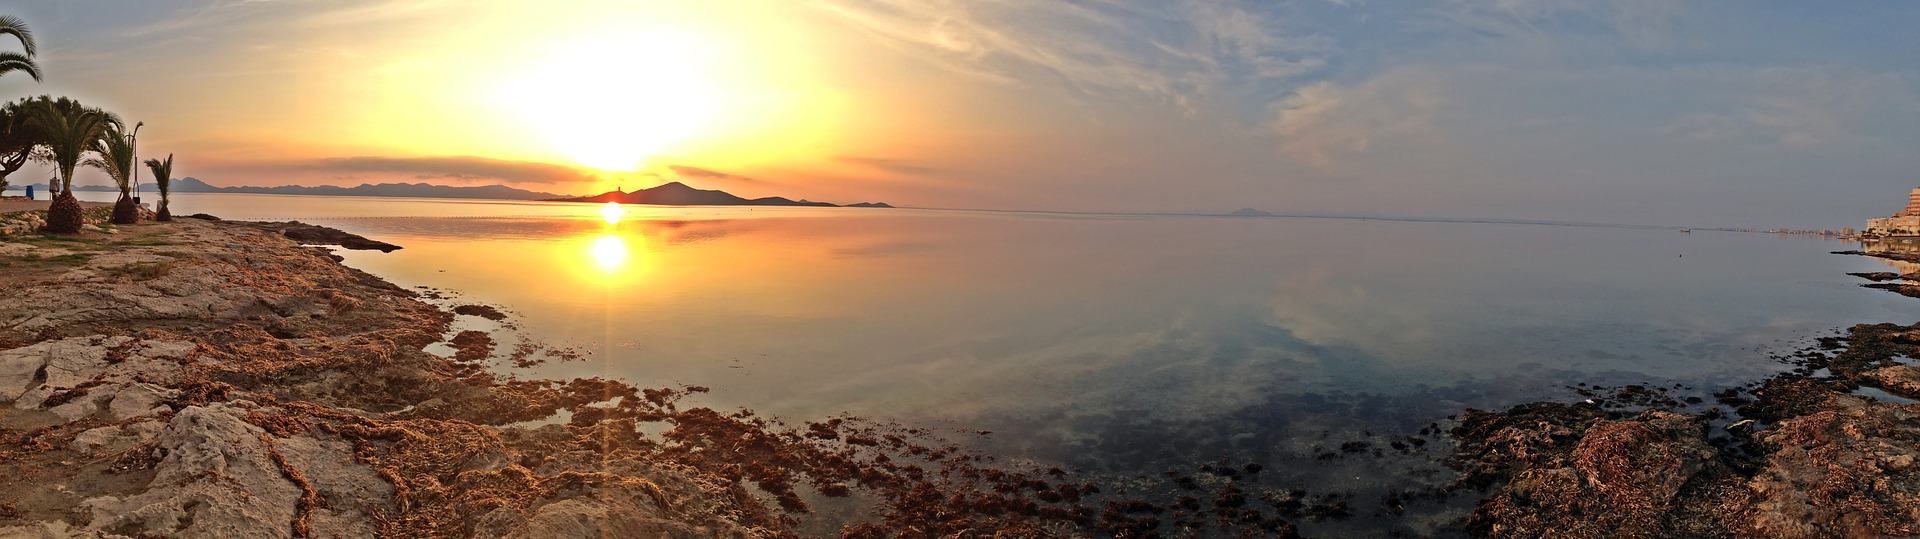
(1905, 223)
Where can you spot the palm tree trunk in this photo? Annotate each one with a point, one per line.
(125, 212)
(63, 217)
(163, 214)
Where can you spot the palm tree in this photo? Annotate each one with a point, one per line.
(13, 61)
(113, 153)
(19, 142)
(69, 130)
(16, 140)
(162, 175)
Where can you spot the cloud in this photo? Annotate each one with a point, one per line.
(462, 168)
(697, 172)
(1322, 122)
(1645, 23)
(1173, 49)
(895, 166)
(1703, 127)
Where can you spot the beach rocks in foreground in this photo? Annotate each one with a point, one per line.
(220, 379)
(1805, 458)
(202, 379)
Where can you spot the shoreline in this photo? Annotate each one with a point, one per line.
(204, 378)
(219, 379)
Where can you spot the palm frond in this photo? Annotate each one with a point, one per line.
(162, 174)
(70, 130)
(115, 150)
(13, 61)
(13, 26)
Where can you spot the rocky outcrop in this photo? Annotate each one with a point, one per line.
(218, 380)
(218, 478)
(320, 235)
(212, 379)
(1809, 460)
(1845, 471)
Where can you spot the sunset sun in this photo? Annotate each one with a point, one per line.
(610, 101)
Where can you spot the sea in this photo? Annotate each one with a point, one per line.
(1117, 345)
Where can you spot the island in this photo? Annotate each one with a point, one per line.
(680, 194)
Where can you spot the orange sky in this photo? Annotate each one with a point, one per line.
(570, 97)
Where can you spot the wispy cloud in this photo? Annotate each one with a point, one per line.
(1176, 49)
(460, 168)
(696, 172)
(896, 166)
(1324, 122)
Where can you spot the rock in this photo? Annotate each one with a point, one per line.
(351, 493)
(117, 437)
(320, 235)
(46, 530)
(1877, 276)
(31, 374)
(1903, 380)
(20, 370)
(127, 401)
(582, 519)
(80, 359)
(1651, 476)
(1845, 471)
(217, 479)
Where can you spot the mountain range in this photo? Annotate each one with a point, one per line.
(680, 194)
(404, 190)
(674, 193)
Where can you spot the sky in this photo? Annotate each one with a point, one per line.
(1747, 114)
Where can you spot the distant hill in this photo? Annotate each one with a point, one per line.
(680, 194)
(1249, 212)
(403, 190)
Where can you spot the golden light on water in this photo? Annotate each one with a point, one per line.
(612, 212)
(609, 252)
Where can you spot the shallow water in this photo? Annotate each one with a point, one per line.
(1115, 343)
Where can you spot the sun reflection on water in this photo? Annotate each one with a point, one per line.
(610, 252)
(612, 212)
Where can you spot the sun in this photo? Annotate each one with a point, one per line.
(610, 101)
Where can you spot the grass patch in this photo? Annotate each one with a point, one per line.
(63, 242)
(152, 240)
(70, 259)
(144, 271)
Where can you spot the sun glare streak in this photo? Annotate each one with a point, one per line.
(612, 212)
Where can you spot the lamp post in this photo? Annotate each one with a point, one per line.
(136, 160)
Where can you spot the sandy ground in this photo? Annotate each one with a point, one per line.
(14, 204)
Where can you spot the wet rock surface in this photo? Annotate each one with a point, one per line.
(320, 235)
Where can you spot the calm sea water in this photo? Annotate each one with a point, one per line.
(1113, 342)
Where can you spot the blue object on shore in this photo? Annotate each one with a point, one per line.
(29, 192)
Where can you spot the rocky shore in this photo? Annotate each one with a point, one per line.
(206, 378)
(1805, 454)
